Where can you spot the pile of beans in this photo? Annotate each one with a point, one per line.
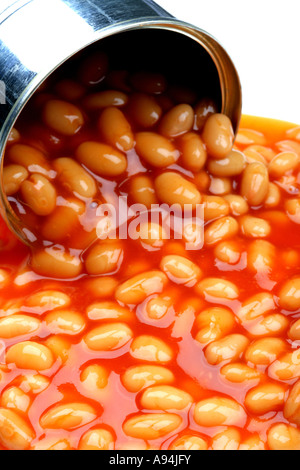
(144, 344)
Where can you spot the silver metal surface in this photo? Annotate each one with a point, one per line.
(37, 36)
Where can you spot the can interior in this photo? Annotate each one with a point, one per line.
(182, 60)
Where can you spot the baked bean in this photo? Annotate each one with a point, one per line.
(289, 295)
(102, 159)
(292, 207)
(47, 300)
(253, 443)
(39, 194)
(220, 186)
(180, 270)
(94, 377)
(259, 153)
(215, 207)
(60, 347)
(290, 258)
(108, 337)
(288, 146)
(289, 184)
(4, 278)
(18, 325)
(151, 349)
(271, 325)
(219, 411)
(155, 149)
(240, 373)
(213, 323)
(253, 156)
(182, 94)
(30, 355)
(292, 405)
(265, 351)
(205, 108)
(232, 165)
(66, 322)
(219, 230)
(63, 221)
(273, 197)
(13, 177)
(193, 151)
(255, 184)
(109, 311)
(172, 188)
(286, 367)
(218, 135)
(265, 398)
(68, 416)
(193, 235)
(158, 307)
(13, 137)
(294, 331)
(293, 133)
(144, 109)
(70, 90)
(142, 190)
(63, 117)
(177, 121)
(15, 433)
(56, 262)
(218, 288)
(151, 426)
(31, 159)
(228, 252)
(74, 178)
(283, 437)
(104, 257)
(115, 129)
(227, 440)
(97, 439)
(202, 180)
(93, 68)
(152, 234)
(52, 444)
(250, 137)
(34, 383)
(10, 308)
(101, 287)
(283, 163)
(237, 204)
(188, 443)
(165, 397)
(147, 82)
(104, 99)
(137, 378)
(165, 102)
(138, 288)
(254, 227)
(14, 398)
(261, 256)
(230, 348)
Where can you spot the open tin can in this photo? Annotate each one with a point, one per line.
(38, 36)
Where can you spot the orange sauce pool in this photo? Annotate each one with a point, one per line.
(63, 403)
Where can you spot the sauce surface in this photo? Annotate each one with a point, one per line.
(144, 343)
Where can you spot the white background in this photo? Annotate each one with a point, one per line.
(263, 39)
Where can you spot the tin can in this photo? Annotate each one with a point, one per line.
(38, 36)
